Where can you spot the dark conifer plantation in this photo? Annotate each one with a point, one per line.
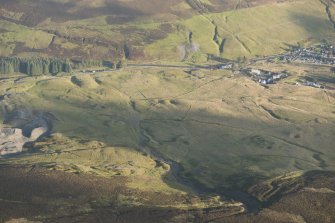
(39, 66)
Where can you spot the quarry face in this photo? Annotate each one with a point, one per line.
(12, 140)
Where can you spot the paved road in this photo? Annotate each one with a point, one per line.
(208, 67)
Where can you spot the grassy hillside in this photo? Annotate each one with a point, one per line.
(257, 31)
(177, 143)
(225, 132)
(184, 135)
(148, 31)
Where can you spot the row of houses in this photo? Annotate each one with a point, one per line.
(312, 84)
(226, 66)
(94, 71)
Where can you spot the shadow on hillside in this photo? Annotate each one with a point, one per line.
(225, 152)
(314, 25)
(238, 152)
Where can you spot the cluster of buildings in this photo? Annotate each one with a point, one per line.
(265, 77)
(320, 54)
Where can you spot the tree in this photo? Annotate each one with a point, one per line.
(67, 66)
(332, 69)
(121, 64)
(45, 66)
(126, 51)
(53, 68)
(114, 65)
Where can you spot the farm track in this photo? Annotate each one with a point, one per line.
(173, 66)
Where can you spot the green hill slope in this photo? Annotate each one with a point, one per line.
(172, 31)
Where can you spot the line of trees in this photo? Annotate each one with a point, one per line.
(98, 63)
(39, 66)
(34, 66)
(87, 63)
